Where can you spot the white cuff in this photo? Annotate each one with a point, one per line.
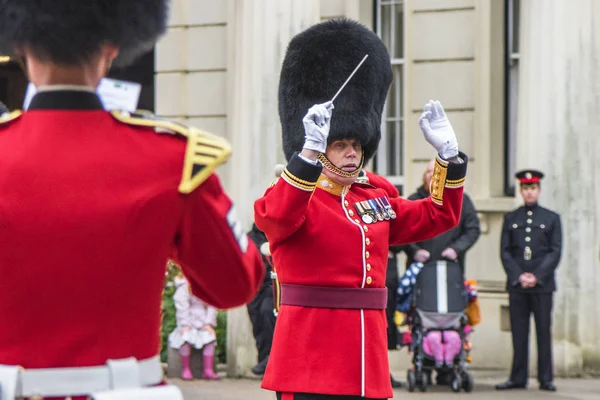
(308, 160)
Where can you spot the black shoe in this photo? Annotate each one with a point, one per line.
(396, 384)
(548, 386)
(259, 369)
(510, 385)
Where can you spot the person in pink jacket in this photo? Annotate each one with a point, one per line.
(196, 321)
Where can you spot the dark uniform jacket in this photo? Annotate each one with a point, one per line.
(531, 242)
(258, 237)
(460, 238)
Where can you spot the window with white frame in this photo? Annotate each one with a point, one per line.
(512, 18)
(389, 23)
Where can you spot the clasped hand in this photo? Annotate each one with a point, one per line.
(527, 280)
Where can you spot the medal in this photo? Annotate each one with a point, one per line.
(366, 211)
(384, 209)
(376, 209)
(389, 209)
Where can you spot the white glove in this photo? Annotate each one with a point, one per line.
(438, 131)
(316, 126)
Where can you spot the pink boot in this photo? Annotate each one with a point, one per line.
(452, 347)
(209, 373)
(186, 372)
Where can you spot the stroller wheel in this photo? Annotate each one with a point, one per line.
(467, 382)
(456, 384)
(423, 382)
(411, 380)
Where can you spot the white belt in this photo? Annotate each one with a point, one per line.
(81, 381)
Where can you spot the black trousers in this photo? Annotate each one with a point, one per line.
(311, 396)
(260, 311)
(392, 331)
(521, 306)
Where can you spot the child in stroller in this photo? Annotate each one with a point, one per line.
(434, 297)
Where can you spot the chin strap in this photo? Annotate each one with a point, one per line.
(332, 168)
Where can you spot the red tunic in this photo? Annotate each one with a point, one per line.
(90, 212)
(317, 238)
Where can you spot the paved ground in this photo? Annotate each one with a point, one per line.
(249, 389)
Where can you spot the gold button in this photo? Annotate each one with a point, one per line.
(529, 221)
(346, 203)
(368, 267)
(369, 280)
(528, 239)
(528, 229)
(351, 213)
(368, 241)
(366, 228)
(367, 254)
(357, 221)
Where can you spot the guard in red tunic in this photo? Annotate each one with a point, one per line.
(94, 203)
(329, 235)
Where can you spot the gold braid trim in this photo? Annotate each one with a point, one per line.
(440, 171)
(455, 183)
(332, 168)
(297, 182)
(10, 116)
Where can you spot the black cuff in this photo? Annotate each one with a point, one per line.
(302, 174)
(457, 172)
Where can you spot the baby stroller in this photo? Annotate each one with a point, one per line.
(439, 302)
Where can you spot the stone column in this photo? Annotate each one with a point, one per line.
(258, 32)
(558, 128)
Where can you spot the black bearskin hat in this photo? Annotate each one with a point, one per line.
(70, 31)
(317, 62)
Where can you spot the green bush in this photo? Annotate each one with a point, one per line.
(169, 322)
(221, 330)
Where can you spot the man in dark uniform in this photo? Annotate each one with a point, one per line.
(451, 245)
(530, 249)
(261, 309)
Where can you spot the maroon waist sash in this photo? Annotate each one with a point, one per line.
(334, 297)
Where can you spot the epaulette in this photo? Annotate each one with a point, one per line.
(9, 117)
(274, 182)
(204, 153)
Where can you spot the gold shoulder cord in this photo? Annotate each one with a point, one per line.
(204, 153)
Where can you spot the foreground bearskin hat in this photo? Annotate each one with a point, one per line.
(70, 31)
(317, 62)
